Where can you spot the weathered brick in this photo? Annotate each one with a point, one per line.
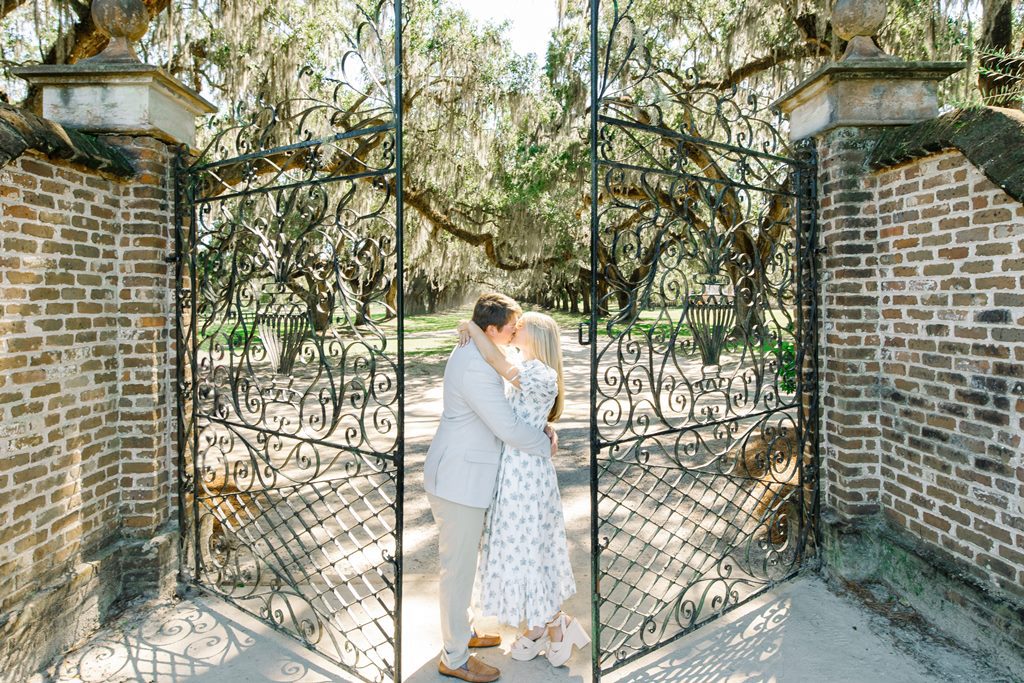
(65, 338)
(949, 348)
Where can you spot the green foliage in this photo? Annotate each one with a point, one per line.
(1001, 76)
(495, 142)
(238, 337)
(786, 354)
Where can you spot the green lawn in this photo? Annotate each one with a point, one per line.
(434, 344)
(439, 322)
(434, 334)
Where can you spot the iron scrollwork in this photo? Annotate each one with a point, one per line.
(703, 386)
(290, 355)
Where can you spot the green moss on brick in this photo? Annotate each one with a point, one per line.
(990, 137)
(22, 130)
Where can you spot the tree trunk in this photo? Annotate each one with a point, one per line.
(321, 308)
(996, 25)
(626, 304)
(391, 298)
(996, 41)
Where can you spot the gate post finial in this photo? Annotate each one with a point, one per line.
(857, 21)
(114, 92)
(125, 22)
(866, 87)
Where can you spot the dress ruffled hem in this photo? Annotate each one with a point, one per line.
(534, 601)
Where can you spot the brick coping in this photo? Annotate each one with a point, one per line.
(992, 138)
(21, 130)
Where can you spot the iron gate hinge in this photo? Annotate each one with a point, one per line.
(173, 258)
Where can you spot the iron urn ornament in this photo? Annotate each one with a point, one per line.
(125, 21)
(857, 21)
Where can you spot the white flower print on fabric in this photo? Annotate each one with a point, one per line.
(524, 571)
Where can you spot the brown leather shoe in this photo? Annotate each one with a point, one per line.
(484, 640)
(475, 671)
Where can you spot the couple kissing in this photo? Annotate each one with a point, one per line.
(493, 491)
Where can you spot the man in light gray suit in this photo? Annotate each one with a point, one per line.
(460, 474)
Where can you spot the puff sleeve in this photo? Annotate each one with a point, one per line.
(538, 381)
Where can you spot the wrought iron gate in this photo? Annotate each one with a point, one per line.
(703, 371)
(290, 408)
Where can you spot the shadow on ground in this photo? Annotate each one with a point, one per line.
(196, 640)
(801, 632)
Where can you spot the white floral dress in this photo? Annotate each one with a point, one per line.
(524, 571)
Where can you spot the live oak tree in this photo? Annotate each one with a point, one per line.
(1000, 58)
(496, 156)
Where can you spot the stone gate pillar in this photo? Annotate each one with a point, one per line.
(844, 107)
(151, 117)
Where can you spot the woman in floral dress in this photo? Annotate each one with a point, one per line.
(524, 573)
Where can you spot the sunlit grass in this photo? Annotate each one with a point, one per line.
(433, 334)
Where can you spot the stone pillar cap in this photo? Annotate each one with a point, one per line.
(118, 97)
(884, 69)
(865, 92)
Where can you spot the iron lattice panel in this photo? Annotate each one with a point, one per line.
(290, 356)
(313, 553)
(681, 542)
(704, 380)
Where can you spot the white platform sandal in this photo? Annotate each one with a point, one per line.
(524, 649)
(573, 635)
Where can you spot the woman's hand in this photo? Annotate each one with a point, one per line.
(463, 331)
(467, 330)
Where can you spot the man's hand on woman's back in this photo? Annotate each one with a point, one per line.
(553, 435)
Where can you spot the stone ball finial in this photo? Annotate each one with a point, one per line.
(125, 21)
(857, 21)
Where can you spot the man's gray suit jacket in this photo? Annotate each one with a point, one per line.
(462, 463)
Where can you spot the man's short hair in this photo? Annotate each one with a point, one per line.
(494, 309)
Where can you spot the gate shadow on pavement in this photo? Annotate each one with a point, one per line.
(798, 632)
(741, 651)
(199, 640)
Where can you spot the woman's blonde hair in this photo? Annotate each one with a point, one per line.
(547, 347)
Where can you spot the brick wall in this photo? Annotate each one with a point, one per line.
(58, 371)
(951, 386)
(86, 374)
(922, 372)
(145, 339)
